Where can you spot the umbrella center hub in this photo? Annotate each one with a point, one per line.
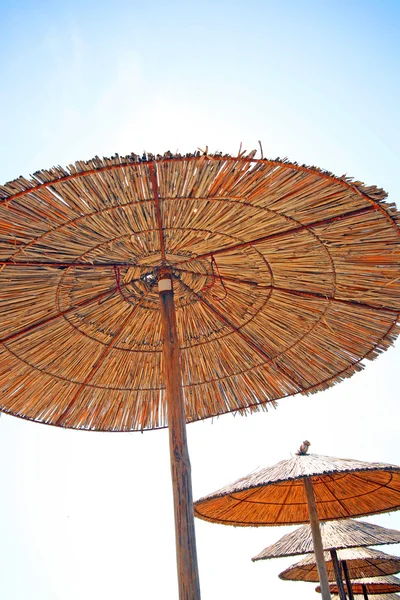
(190, 278)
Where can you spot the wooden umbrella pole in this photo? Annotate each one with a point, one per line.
(188, 576)
(348, 581)
(317, 540)
(365, 593)
(338, 574)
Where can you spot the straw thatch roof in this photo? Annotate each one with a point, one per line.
(346, 533)
(372, 585)
(275, 495)
(286, 279)
(361, 562)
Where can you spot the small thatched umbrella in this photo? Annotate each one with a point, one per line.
(145, 292)
(368, 586)
(305, 488)
(357, 563)
(346, 533)
(335, 535)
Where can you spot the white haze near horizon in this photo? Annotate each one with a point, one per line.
(89, 516)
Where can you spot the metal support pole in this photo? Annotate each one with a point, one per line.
(317, 540)
(188, 576)
(338, 574)
(348, 581)
(365, 593)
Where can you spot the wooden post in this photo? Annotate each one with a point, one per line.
(364, 589)
(186, 555)
(317, 541)
(348, 581)
(338, 575)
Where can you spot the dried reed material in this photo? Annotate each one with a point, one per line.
(286, 278)
(275, 495)
(346, 533)
(361, 562)
(373, 585)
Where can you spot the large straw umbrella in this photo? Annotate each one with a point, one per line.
(368, 586)
(335, 535)
(305, 488)
(141, 292)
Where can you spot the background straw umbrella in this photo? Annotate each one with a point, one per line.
(111, 268)
(305, 487)
(355, 563)
(335, 535)
(361, 562)
(346, 533)
(370, 585)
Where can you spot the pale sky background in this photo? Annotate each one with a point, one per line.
(89, 516)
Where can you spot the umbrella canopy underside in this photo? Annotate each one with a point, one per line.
(372, 585)
(361, 563)
(285, 277)
(346, 533)
(275, 495)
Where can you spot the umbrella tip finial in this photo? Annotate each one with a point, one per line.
(303, 448)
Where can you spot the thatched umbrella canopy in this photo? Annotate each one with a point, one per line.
(276, 496)
(346, 533)
(272, 262)
(361, 562)
(370, 585)
(141, 292)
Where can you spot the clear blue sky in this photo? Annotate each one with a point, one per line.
(89, 516)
